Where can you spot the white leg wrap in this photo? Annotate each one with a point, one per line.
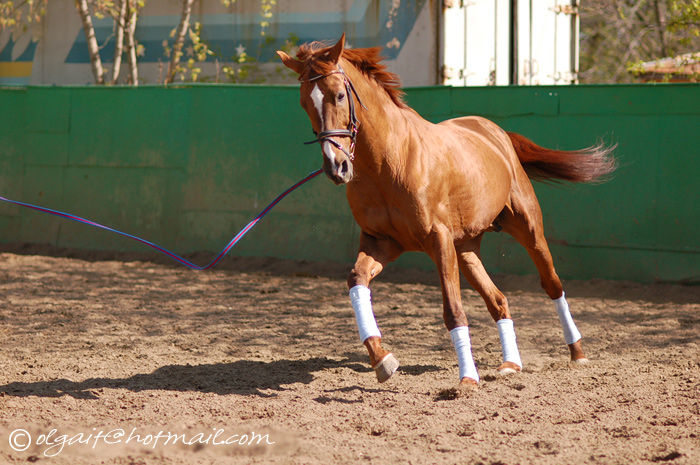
(571, 333)
(509, 344)
(463, 346)
(360, 297)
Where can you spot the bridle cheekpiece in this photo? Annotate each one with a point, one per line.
(353, 125)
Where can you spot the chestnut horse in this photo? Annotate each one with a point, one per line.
(437, 188)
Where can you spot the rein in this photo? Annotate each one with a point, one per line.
(353, 125)
(170, 254)
(351, 132)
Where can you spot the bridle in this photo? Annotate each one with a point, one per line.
(353, 126)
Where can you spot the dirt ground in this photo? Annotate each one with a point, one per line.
(130, 359)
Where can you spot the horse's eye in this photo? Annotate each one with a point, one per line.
(341, 96)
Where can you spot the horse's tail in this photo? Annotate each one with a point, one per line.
(593, 164)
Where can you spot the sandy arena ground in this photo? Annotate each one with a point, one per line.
(266, 350)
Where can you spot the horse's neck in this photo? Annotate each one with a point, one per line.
(384, 131)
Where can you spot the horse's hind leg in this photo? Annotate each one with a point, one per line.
(524, 223)
(471, 266)
(373, 256)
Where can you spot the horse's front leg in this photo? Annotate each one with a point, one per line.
(441, 249)
(468, 255)
(373, 256)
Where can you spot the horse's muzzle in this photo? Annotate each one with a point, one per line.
(338, 171)
(337, 161)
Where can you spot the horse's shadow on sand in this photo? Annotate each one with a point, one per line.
(243, 377)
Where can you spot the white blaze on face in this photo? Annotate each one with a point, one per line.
(317, 98)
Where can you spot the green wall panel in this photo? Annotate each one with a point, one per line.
(43, 185)
(188, 167)
(48, 110)
(126, 126)
(47, 148)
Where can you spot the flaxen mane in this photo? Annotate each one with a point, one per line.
(367, 60)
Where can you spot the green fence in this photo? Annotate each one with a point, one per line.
(188, 167)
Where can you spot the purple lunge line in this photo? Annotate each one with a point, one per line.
(172, 255)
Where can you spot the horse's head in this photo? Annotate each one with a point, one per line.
(326, 95)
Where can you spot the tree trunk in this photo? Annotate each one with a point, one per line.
(93, 48)
(176, 51)
(119, 24)
(661, 28)
(129, 29)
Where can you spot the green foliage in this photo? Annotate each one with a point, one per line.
(105, 8)
(19, 15)
(684, 23)
(243, 67)
(617, 36)
(685, 18)
(197, 52)
(266, 13)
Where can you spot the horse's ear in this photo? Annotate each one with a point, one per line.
(291, 63)
(334, 54)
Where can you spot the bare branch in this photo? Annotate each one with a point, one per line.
(176, 51)
(119, 43)
(93, 48)
(130, 28)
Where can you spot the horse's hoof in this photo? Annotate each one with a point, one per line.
(508, 368)
(467, 385)
(576, 350)
(580, 361)
(386, 367)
